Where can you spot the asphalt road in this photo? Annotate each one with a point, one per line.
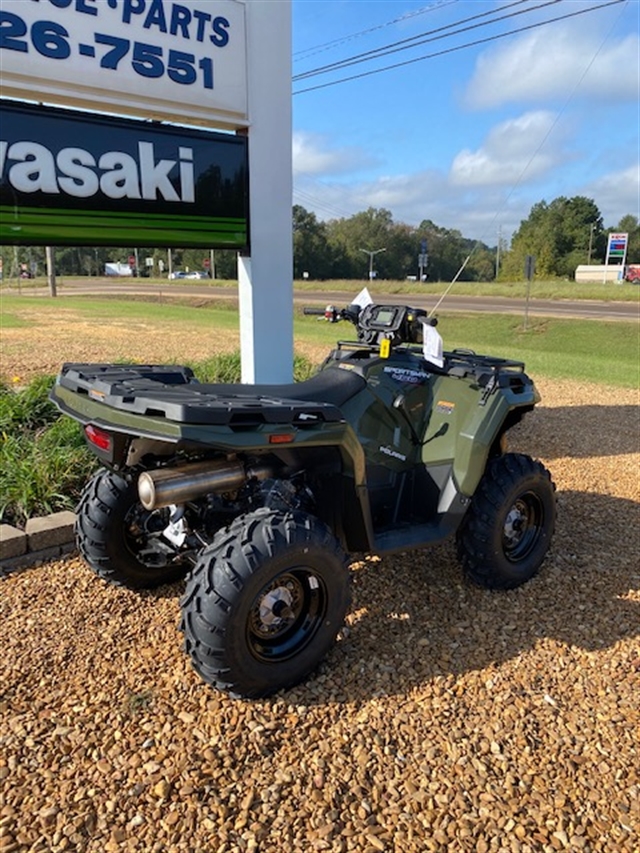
(578, 309)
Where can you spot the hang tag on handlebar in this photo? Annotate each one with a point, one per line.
(432, 345)
(385, 348)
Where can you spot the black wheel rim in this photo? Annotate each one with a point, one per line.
(286, 614)
(523, 525)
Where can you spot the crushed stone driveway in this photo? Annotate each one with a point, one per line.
(447, 718)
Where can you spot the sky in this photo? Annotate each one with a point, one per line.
(471, 139)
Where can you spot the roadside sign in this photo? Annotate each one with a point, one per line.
(184, 62)
(529, 266)
(70, 178)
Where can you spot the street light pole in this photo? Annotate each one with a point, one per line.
(371, 255)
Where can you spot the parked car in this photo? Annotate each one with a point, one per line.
(632, 273)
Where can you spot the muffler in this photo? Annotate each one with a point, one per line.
(167, 486)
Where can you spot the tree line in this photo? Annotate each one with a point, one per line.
(561, 235)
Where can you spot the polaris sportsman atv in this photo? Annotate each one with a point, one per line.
(259, 492)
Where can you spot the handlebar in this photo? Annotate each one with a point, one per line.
(397, 324)
(330, 313)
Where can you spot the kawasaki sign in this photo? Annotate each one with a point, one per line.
(74, 179)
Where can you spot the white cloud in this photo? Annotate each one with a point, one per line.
(616, 194)
(551, 63)
(411, 198)
(314, 155)
(509, 153)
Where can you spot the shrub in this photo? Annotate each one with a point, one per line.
(27, 408)
(43, 459)
(226, 368)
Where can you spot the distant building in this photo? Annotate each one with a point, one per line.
(599, 273)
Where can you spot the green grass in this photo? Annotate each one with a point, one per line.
(11, 321)
(123, 310)
(539, 289)
(226, 367)
(584, 350)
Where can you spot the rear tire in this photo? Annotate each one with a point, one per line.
(114, 533)
(264, 602)
(507, 530)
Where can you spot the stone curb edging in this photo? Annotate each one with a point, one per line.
(44, 538)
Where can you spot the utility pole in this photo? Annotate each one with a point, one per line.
(498, 250)
(591, 230)
(371, 256)
(51, 270)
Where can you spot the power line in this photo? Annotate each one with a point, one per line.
(459, 47)
(327, 207)
(404, 44)
(312, 51)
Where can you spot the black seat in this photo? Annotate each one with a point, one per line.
(333, 385)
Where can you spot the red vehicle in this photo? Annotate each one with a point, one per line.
(632, 273)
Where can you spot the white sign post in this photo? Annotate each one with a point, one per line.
(223, 64)
(266, 277)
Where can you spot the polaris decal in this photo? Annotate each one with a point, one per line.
(68, 178)
(389, 451)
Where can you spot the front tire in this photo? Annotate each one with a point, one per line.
(121, 540)
(507, 530)
(264, 602)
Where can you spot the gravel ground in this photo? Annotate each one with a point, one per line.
(446, 719)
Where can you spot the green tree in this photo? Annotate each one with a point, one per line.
(353, 238)
(629, 225)
(558, 235)
(311, 251)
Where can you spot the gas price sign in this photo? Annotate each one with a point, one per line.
(154, 58)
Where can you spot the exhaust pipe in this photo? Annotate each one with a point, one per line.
(168, 486)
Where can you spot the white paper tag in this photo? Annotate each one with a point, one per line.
(432, 345)
(363, 298)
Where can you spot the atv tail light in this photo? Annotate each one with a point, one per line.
(282, 438)
(99, 437)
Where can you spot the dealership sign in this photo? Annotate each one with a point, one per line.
(159, 59)
(68, 178)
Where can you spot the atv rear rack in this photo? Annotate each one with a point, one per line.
(173, 393)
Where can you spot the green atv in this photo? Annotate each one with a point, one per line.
(259, 492)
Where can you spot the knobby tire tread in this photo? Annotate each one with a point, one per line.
(219, 579)
(476, 538)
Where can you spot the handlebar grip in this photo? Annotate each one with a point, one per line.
(316, 312)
